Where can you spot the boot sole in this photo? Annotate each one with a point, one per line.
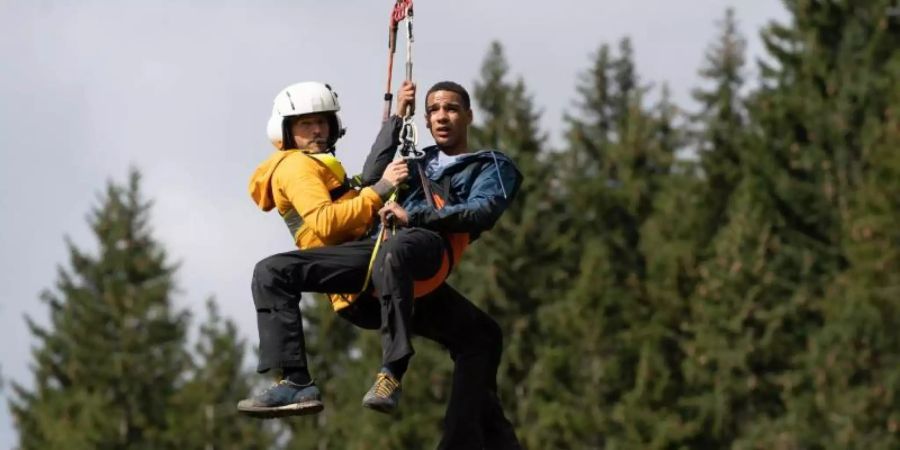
(294, 409)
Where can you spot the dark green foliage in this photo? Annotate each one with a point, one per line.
(781, 293)
(495, 269)
(827, 112)
(721, 136)
(203, 413)
(731, 298)
(111, 369)
(722, 279)
(615, 168)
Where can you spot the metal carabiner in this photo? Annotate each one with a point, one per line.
(409, 140)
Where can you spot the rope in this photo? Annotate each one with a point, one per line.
(409, 135)
(402, 10)
(382, 235)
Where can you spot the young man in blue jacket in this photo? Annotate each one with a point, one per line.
(470, 191)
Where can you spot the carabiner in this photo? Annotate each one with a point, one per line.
(409, 140)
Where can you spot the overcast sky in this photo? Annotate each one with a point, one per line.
(182, 91)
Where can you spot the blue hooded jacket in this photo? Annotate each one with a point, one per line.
(476, 189)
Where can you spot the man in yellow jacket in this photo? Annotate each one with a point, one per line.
(304, 180)
(320, 206)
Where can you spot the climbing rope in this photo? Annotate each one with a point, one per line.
(409, 136)
(402, 10)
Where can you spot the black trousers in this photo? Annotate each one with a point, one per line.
(279, 280)
(474, 417)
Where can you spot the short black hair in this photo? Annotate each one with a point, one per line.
(452, 87)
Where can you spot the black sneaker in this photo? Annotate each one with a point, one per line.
(384, 395)
(285, 398)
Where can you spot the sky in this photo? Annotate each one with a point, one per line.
(182, 91)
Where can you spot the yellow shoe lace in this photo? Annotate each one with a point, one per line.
(385, 385)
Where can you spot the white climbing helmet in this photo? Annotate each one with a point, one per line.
(307, 97)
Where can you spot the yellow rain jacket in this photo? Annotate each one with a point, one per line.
(301, 186)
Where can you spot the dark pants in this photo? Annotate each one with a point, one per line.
(409, 255)
(474, 418)
(278, 281)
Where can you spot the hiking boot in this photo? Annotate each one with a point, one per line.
(282, 399)
(384, 395)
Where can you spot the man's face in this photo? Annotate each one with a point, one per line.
(447, 118)
(311, 132)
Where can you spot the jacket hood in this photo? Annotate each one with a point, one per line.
(261, 180)
(495, 156)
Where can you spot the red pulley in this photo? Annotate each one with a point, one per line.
(400, 10)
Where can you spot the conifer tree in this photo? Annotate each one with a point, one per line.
(764, 265)
(852, 368)
(112, 361)
(827, 114)
(731, 231)
(721, 135)
(610, 364)
(111, 357)
(773, 311)
(203, 413)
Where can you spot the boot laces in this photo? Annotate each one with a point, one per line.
(385, 385)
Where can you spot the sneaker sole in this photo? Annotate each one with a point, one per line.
(294, 409)
(384, 409)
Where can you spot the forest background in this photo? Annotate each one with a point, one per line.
(719, 272)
